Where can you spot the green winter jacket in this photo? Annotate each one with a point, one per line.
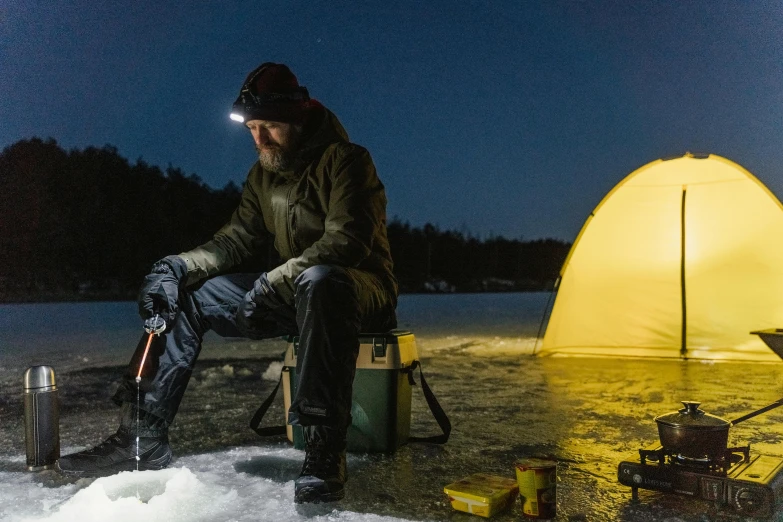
(330, 209)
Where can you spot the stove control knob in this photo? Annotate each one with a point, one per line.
(748, 500)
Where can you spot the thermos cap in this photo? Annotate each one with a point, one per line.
(39, 377)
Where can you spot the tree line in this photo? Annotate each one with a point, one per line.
(87, 224)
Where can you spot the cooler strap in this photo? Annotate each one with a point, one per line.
(435, 408)
(432, 402)
(255, 422)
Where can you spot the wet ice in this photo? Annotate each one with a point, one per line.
(588, 413)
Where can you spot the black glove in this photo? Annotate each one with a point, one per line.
(260, 305)
(263, 294)
(160, 290)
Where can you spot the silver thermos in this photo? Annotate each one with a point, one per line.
(41, 418)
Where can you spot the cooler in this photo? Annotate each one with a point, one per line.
(381, 409)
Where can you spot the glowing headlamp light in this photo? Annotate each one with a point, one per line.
(248, 103)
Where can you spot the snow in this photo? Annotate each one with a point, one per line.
(272, 372)
(199, 487)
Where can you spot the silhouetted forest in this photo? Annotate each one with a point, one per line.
(87, 224)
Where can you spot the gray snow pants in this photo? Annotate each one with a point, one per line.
(332, 306)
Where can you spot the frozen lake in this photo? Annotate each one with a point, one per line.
(84, 340)
(588, 413)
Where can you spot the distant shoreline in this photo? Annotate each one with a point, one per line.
(76, 298)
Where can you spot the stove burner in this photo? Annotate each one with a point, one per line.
(683, 460)
(751, 484)
(719, 464)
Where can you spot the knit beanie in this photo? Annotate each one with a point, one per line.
(271, 92)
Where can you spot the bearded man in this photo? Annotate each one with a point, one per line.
(318, 197)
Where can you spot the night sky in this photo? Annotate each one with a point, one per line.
(510, 118)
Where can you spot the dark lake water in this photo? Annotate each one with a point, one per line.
(72, 335)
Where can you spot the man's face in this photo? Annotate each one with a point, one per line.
(276, 143)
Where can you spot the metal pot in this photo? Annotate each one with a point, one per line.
(693, 433)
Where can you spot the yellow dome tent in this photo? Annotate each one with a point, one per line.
(683, 258)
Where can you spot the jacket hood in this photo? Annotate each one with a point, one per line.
(322, 128)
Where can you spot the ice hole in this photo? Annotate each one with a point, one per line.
(144, 491)
(141, 485)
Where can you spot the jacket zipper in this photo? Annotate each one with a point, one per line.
(289, 218)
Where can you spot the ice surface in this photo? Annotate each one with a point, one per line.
(587, 413)
(202, 487)
(211, 482)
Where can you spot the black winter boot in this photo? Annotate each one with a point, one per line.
(118, 452)
(323, 474)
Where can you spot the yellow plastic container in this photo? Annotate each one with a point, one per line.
(481, 494)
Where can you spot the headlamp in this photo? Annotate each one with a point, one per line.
(248, 103)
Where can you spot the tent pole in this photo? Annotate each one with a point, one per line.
(546, 309)
(683, 342)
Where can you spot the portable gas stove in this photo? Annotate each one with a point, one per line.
(751, 484)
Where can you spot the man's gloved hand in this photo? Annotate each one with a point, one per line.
(160, 291)
(262, 304)
(263, 294)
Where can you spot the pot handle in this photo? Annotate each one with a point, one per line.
(750, 415)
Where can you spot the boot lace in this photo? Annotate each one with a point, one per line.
(114, 441)
(320, 461)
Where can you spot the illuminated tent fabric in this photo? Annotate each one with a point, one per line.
(683, 258)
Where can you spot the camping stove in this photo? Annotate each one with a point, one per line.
(751, 484)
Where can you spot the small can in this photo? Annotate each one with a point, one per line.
(537, 479)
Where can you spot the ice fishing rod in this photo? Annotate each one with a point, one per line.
(153, 326)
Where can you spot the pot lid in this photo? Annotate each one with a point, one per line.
(692, 417)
